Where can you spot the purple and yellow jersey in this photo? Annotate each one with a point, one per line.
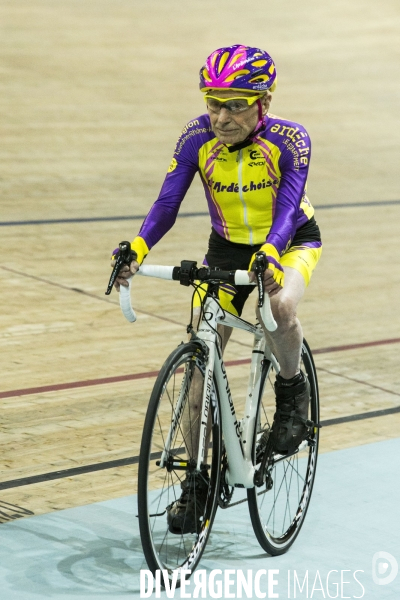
(255, 195)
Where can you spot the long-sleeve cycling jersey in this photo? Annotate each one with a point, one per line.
(255, 195)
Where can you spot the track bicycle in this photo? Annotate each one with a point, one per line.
(231, 452)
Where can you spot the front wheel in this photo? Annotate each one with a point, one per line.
(168, 458)
(278, 508)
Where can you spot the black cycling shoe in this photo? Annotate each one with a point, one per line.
(292, 400)
(186, 514)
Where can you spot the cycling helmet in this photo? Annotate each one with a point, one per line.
(238, 68)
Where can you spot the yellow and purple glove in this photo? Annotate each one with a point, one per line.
(139, 250)
(274, 264)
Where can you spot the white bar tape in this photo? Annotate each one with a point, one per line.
(125, 302)
(267, 316)
(160, 271)
(242, 278)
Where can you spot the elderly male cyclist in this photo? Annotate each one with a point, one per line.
(254, 167)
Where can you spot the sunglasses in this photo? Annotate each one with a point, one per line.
(234, 105)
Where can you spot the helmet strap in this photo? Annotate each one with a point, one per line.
(260, 120)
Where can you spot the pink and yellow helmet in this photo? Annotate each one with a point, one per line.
(238, 68)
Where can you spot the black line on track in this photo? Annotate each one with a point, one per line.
(182, 215)
(133, 460)
(361, 416)
(122, 462)
(91, 219)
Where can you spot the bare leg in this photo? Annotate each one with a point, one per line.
(291, 389)
(286, 341)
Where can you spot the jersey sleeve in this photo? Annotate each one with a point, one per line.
(163, 213)
(294, 164)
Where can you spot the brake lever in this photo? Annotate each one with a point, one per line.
(124, 257)
(259, 266)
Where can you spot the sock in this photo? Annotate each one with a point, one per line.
(299, 378)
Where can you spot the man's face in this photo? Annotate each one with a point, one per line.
(233, 128)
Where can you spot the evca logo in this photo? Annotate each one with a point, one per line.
(173, 165)
(254, 154)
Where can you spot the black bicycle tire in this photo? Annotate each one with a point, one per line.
(276, 549)
(151, 557)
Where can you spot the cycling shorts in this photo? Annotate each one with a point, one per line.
(302, 255)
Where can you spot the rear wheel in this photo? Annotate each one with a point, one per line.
(168, 458)
(278, 508)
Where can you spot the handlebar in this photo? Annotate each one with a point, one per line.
(186, 274)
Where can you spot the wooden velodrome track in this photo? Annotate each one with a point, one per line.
(95, 93)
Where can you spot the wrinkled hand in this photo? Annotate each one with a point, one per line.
(125, 273)
(274, 275)
(270, 285)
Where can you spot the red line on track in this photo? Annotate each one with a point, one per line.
(230, 363)
(356, 346)
(76, 384)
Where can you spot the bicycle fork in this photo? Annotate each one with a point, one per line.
(195, 463)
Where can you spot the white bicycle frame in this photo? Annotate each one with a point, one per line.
(238, 435)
